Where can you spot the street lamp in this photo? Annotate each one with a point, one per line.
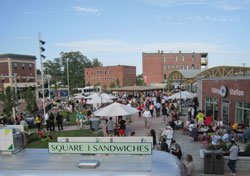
(41, 50)
(68, 75)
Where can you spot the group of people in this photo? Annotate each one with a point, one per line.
(50, 120)
(116, 129)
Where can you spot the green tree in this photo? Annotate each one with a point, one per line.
(30, 99)
(9, 101)
(140, 80)
(118, 82)
(96, 63)
(112, 84)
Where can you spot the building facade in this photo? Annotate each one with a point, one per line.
(157, 67)
(21, 68)
(105, 76)
(226, 98)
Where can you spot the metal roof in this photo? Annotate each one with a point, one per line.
(40, 162)
(190, 73)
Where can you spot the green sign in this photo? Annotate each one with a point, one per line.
(101, 148)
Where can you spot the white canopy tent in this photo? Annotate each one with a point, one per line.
(182, 95)
(115, 109)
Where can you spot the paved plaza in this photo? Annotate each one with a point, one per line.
(186, 142)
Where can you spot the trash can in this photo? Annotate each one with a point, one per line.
(213, 162)
(94, 124)
(218, 163)
(208, 162)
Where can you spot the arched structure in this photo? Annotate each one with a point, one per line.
(189, 77)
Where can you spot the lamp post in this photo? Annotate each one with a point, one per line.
(41, 50)
(68, 75)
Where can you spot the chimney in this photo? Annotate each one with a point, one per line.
(179, 51)
(161, 51)
(158, 51)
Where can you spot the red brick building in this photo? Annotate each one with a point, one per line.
(227, 98)
(24, 66)
(156, 67)
(105, 76)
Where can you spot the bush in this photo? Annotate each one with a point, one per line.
(247, 149)
(212, 147)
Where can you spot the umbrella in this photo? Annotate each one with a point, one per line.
(98, 100)
(115, 109)
(182, 95)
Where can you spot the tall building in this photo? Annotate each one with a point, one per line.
(105, 76)
(156, 67)
(23, 66)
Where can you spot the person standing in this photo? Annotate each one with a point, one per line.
(189, 164)
(52, 122)
(46, 117)
(153, 135)
(122, 127)
(147, 115)
(59, 121)
(176, 150)
(110, 126)
(233, 156)
(38, 122)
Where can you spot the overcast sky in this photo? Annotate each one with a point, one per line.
(118, 31)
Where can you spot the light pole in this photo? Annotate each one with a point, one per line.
(41, 50)
(68, 75)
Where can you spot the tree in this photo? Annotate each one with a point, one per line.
(96, 63)
(118, 82)
(112, 84)
(140, 80)
(30, 99)
(9, 101)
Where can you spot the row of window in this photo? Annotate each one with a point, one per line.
(177, 58)
(99, 72)
(100, 79)
(184, 67)
(23, 65)
(242, 110)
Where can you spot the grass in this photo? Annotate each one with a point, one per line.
(36, 142)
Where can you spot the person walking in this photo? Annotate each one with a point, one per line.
(233, 156)
(59, 121)
(147, 116)
(153, 135)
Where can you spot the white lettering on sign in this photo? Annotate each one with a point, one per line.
(236, 92)
(215, 90)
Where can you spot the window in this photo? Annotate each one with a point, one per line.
(183, 58)
(15, 66)
(23, 78)
(164, 67)
(176, 58)
(211, 105)
(23, 66)
(187, 67)
(164, 59)
(30, 66)
(243, 113)
(165, 76)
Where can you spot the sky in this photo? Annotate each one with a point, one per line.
(118, 31)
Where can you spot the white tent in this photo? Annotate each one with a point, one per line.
(79, 97)
(182, 95)
(99, 100)
(115, 109)
(102, 95)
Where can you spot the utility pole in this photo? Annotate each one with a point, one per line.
(41, 50)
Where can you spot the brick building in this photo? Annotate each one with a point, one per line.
(23, 66)
(156, 67)
(105, 76)
(226, 98)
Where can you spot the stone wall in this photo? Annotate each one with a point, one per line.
(242, 164)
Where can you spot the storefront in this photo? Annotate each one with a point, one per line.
(226, 98)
